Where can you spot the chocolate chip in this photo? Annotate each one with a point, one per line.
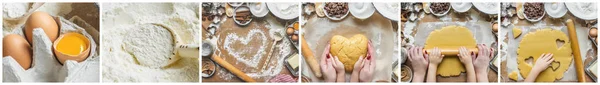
(439, 8)
(336, 9)
(533, 10)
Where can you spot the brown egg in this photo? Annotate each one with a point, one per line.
(495, 27)
(42, 20)
(594, 32)
(295, 37)
(17, 47)
(290, 31)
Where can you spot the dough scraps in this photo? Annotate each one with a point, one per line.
(348, 50)
(545, 41)
(516, 32)
(513, 75)
(450, 37)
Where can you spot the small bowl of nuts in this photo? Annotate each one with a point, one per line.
(242, 15)
(439, 9)
(336, 10)
(406, 74)
(208, 68)
(533, 12)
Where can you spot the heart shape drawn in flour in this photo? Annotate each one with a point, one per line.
(247, 49)
(348, 50)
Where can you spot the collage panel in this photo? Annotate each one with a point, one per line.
(299, 41)
(150, 42)
(449, 41)
(250, 42)
(349, 42)
(549, 41)
(50, 42)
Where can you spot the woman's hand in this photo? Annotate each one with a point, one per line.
(481, 62)
(418, 63)
(326, 65)
(368, 66)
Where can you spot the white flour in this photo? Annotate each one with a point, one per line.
(255, 59)
(120, 21)
(149, 54)
(14, 10)
(276, 63)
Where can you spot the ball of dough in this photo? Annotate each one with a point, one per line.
(348, 50)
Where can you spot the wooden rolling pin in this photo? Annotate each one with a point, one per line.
(451, 51)
(576, 52)
(309, 58)
(232, 69)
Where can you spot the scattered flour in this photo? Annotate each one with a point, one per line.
(255, 59)
(121, 20)
(276, 65)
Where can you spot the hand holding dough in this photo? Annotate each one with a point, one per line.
(327, 66)
(348, 50)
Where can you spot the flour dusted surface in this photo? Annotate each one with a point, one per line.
(122, 21)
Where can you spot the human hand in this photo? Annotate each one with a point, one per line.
(435, 57)
(368, 66)
(481, 61)
(326, 65)
(542, 62)
(339, 66)
(418, 63)
(465, 55)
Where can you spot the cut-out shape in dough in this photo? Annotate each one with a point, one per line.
(348, 50)
(555, 65)
(450, 37)
(536, 43)
(513, 75)
(516, 32)
(560, 43)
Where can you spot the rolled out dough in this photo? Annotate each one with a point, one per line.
(545, 41)
(450, 37)
(348, 50)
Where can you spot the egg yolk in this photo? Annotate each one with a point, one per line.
(72, 45)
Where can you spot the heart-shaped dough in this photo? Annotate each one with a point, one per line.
(536, 43)
(348, 50)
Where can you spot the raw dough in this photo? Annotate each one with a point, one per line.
(450, 37)
(516, 32)
(348, 50)
(513, 75)
(545, 41)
